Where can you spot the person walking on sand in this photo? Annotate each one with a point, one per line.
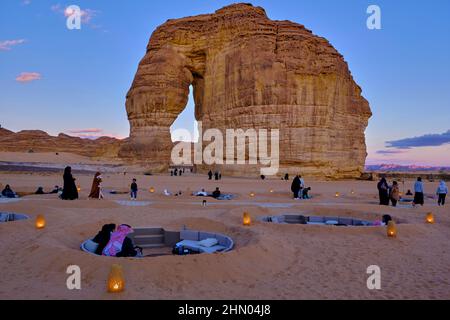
(383, 192)
(210, 174)
(418, 192)
(395, 194)
(134, 190)
(296, 186)
(442, 191)
(96, 191)
(70, 191)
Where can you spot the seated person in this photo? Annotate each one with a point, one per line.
(103, 237)
(167, 192)
(39, 190)
(409, 193)
(202, 193)
(386, 219)
(305, 194)
(7, 192)
(216, 193)
(120, 245)
(56, 189)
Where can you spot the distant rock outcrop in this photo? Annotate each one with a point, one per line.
(248, 71)
(40, 141)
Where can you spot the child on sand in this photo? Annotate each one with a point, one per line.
(134, 190)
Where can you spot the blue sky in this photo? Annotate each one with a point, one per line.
(82, 76)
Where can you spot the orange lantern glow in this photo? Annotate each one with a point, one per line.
(338, 194)
(252, 194)
(79, 188)
(246, 220)
(116, 281)
(40, 222)
(391, 229)
(152, 190)
(353, 191)
(271, 191)
(430, 218)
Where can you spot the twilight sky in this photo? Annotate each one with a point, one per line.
(75, 81)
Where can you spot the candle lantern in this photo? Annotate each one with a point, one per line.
(247, 220)
(430, 218)
(152, 190)
(116, 281)
(391, 229)
(40, 222)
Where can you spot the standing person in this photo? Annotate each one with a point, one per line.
(418, 192)
(96, 192)
(395, 193)
(286, 176)
(70, 191)
(442, 191)
(134, 190)
(220, 175)
(383, 192)
(175, 172)
(210, 174)
(216, 175)
(295, 186)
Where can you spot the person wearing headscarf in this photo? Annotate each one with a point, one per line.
(418, 192)
(103, 237)
(8, 192)
(383, 192)
(70, 191)
(395, 194)
(120, 245)
(442, 191)
(96, 192)
(296, 186)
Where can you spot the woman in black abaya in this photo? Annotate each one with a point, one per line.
(70, 191)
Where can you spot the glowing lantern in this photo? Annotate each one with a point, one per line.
(430, 218)
(116, 281)
(152, 190)
(79, 188)
(246, 220)
(271, 191)
(391, 229)
(252, 194)
(353, 191)
(40, 222)
(338, 194)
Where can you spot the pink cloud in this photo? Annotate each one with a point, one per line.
(92, 134)
(25, 77)
(8, 44)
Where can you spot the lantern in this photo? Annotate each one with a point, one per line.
(391, 229)
(78, 188)
(353, 191)
(430, 218)
(152, 190)
(40, 222)
(337, 194)
(271, 191)
(116, 282)
(246, 220)
(252, 194)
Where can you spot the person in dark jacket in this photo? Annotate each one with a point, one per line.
(296, 186)
(210, 174)
(70, 191)
(383, 192)
(216, 193)
(120, 245)
(8, 192)
(103, 237)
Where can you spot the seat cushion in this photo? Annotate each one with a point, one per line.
(210, 242)
(90, 246)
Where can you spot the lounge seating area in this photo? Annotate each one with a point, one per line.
(160, 240)
(9, 217)
(317, 220)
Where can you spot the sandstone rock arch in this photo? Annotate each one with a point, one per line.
(248, 71)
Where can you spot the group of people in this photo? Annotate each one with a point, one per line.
(215, 194)
(391, 193)
(217, 175)
(114, 242)
(178, 172)
(298, 188)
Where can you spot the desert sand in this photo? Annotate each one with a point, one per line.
(269, 261)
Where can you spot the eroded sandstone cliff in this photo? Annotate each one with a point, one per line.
(248, 71)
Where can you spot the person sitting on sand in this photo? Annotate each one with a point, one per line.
(55, 190)
(441, 192)
(409, 193)
(96, 192)
(202, 193)
(103, 237)
(216, 193)
(418, 193)
(40, 190)
(305, 193)
(70, 191)
(395, 193)
(167, 192)
(120, 245)
(8, 192)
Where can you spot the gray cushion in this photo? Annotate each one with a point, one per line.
(189, 235)
(90, 246)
